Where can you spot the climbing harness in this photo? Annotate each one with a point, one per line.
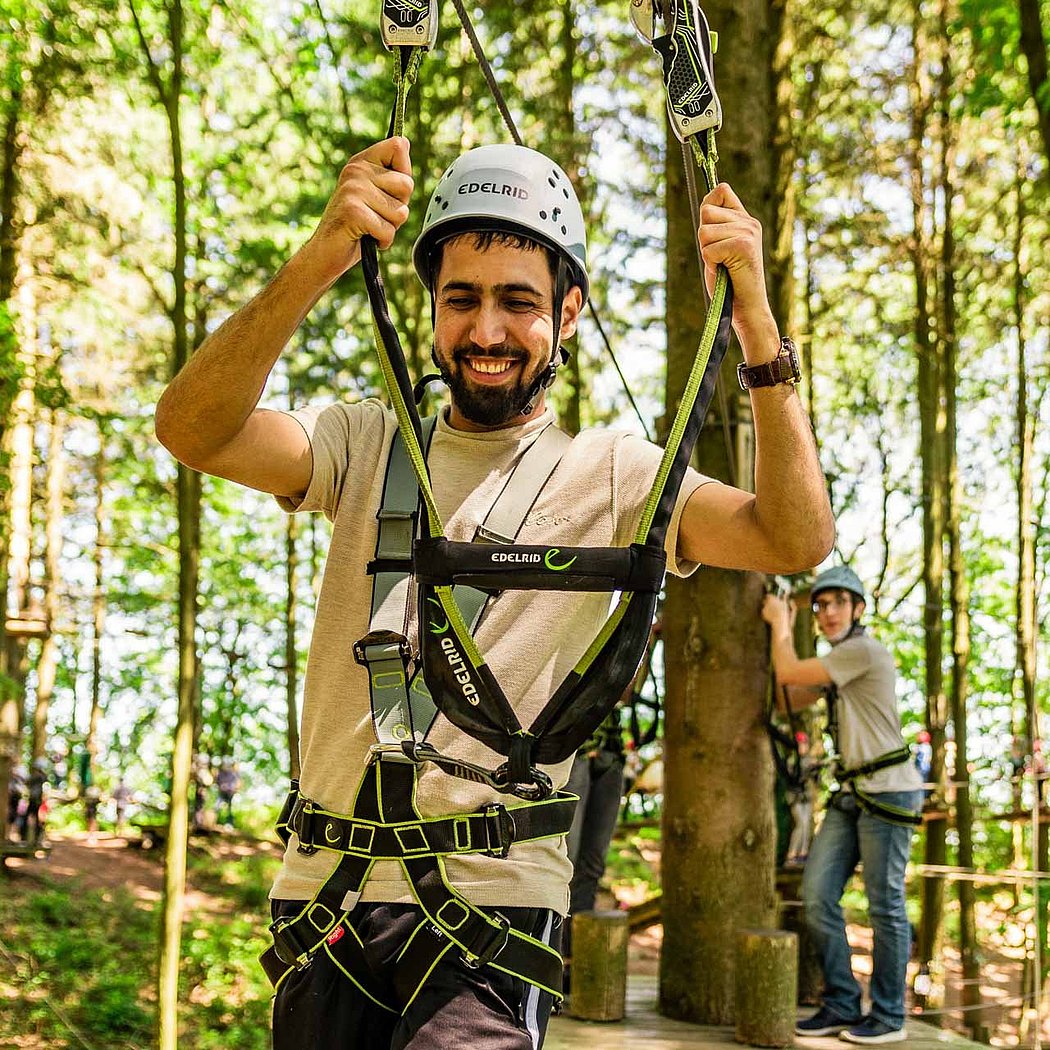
(843, 776)
(454, 580)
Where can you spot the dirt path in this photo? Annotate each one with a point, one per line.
(111, 863)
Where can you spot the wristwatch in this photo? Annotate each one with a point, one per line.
(784, 368)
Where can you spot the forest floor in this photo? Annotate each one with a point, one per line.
(223, 903)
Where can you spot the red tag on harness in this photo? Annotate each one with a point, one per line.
(335, 936)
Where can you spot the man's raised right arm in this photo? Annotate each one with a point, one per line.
(208, 416)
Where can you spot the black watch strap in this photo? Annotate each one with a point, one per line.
(784, 368)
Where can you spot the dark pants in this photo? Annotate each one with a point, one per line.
(599, 783)
(320, 1008)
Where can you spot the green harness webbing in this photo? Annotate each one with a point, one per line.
(386, 825)
(402, 707)
(402, 711)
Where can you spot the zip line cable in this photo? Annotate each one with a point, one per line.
(508, 119)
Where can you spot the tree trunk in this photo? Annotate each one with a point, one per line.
(47, 665)
(98, 610)
(169, 95)
(565, 85)
(718, 874)
(19, 534)
(931, 428)
(1033, 44)
(959, 589)
(291, 654)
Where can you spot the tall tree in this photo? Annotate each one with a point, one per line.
(1033, 44)
(931, 445)
(166, 76)
(959, 587)
(718, 874)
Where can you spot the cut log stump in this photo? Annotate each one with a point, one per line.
(766, 987)
(599, 965)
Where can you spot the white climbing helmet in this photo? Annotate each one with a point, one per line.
(512, 189)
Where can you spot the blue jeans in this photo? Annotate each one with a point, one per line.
(848, 836)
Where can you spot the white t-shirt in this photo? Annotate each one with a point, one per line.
(530, 639)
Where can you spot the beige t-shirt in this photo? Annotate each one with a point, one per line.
(530, 639)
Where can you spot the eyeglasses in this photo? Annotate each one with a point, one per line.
(821, 605)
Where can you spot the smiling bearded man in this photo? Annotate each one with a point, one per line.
(503, 253)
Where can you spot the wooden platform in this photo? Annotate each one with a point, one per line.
(645, 1029)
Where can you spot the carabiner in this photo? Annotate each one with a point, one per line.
(409, 23)
(687, 50)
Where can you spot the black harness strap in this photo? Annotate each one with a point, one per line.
(385, 824)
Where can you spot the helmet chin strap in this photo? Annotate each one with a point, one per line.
(559, 355)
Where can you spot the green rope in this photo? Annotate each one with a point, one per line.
(707, 158)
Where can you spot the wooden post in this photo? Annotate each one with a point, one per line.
(792, 917)
(766, 987)
(599, 965)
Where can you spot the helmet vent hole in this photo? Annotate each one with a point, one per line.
(444, 206)
(565, 193)
(564, 230)
(543, 215)
(551, 182)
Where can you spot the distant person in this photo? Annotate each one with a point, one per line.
(800, 800)
(227, 783)
(597, 778)
(202, 780)
(31, 824)
(924, 761)
(869, 820)
(16, 796)
(122, 796)
(92, 799)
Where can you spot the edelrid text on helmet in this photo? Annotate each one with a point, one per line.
(511, 189)
(838, 578)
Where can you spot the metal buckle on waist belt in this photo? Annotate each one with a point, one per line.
(499, 829)
(301, 821)
(289, 944)
(495, 941)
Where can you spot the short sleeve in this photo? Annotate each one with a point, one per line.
(637, 462)
(846, 661)
(332, 430)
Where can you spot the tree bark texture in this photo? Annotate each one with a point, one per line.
(717, 873)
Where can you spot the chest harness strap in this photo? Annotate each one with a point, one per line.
(457, 676)
(385, 823)
(867, 801)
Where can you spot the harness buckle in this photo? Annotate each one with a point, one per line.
(496, 939)
(382, 645)
(499, 829)
(291, 949)
(302, 823)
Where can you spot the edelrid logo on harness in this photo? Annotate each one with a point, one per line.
(515, 557)
(459, 671)
(548, 560)
(435, 627)
(500, 189)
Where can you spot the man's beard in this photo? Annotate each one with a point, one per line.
(487, 406)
